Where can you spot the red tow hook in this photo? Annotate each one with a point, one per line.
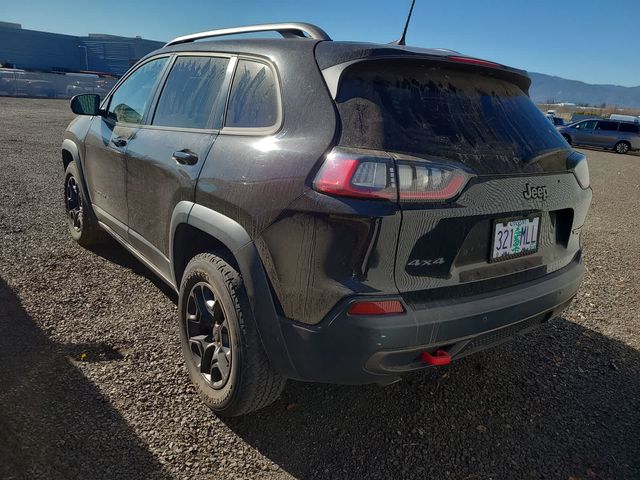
(441, 357)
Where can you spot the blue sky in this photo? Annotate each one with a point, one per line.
(592, 41)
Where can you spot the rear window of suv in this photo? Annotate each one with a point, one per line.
(425, 110)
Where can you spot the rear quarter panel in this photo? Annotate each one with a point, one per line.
(263, 183)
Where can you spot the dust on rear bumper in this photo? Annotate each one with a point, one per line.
(358, 350)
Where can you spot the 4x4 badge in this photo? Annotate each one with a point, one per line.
(535, 192)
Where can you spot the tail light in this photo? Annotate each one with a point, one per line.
(375, 175)
(426, 181)
(354, 173)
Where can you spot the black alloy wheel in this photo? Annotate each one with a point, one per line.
(208, 334)
(73, 203)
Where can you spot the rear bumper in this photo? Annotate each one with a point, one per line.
(358, 350)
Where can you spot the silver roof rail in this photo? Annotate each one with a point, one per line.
(287, 30)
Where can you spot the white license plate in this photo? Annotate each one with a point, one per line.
(515, 237)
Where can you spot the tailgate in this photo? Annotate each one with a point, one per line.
(426, 113)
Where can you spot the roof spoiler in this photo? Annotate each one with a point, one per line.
(332, 75)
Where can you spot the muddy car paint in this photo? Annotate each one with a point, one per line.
(305, 255)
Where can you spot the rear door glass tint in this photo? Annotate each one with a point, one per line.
(253, 102)
(629, 127)
(192, 96)
(608, 126)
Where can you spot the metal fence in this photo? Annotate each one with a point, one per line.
(16, 83)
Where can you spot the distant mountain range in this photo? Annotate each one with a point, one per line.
(546, 87)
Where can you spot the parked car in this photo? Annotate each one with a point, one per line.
(557, 121)
(622, 137)
(103, 86)
(77, 87)
(328, 211)
(20, 82)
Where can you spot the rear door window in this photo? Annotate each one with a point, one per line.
(629, 128)
(192, 96)
(429, 110)
(253, 102)
(607, 126)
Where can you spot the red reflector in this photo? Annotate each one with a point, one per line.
(475, 61)
(376, 308)
(439, 358)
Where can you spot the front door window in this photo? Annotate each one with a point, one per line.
(130, 100)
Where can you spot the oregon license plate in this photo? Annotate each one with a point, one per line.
(515, 237)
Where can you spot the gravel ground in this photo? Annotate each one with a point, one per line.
(92, 383)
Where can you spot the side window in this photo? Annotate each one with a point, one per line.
(588, 125)
(629, 128)
(191, 97)
(130, 100)
(253, 102)
(608, 126)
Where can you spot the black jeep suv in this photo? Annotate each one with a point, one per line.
(329, 211)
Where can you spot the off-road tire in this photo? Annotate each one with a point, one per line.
(252, 383)
(87, 231)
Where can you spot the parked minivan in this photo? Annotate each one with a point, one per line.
(620, 136)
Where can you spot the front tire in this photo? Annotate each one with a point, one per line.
(82, 222)
(567, 138)
(220, 342)
(622, 147)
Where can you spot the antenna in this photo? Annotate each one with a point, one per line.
(401, 40)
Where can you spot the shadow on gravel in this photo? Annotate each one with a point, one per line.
(116, 253)
(53, 422)
(91, 352)
(563, 402)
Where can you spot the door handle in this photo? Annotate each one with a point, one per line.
(119, 141)
(185, 157)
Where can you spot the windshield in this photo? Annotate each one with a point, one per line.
(427, 110)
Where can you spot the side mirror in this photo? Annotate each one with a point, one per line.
(86, 104)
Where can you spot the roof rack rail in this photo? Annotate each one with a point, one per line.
(287, 30)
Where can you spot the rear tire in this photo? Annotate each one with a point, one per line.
(220, 342)
(82, 222)
(622, 147)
